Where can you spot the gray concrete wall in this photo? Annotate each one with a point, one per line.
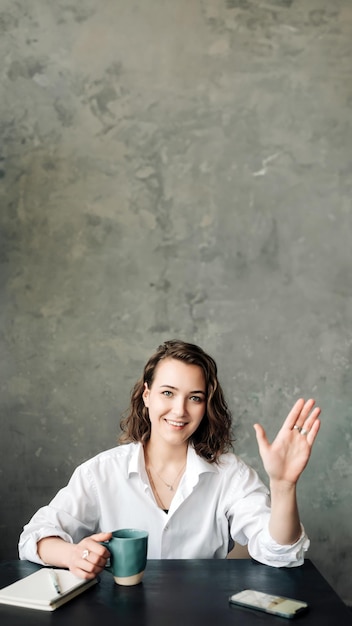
(175, 169)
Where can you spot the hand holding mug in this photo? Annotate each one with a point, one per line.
(89, 557)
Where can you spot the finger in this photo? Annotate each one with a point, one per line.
(92, 551)
(101, 536)
(77, 571)
(262, 439)
(306, 411)
(312, 418)
(89, 568)
(302, 414)
(313, 431)
(294, 414)
(87, 575)
(94, 558)
(92, 564)
(93, 544)
(98, 555)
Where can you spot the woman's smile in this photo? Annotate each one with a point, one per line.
(176, 424)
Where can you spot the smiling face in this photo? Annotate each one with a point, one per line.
(176, 401)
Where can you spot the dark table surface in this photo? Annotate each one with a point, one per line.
(185, 593)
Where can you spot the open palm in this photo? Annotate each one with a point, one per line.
(286, 457)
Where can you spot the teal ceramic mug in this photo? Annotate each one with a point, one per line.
(128, 555)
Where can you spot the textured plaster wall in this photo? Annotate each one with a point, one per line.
(175, 169)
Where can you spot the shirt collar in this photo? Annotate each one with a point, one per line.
(196, 464)
(136, 463)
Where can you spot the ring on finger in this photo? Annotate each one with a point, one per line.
(85, 554)
(304, 431)
(299, 428)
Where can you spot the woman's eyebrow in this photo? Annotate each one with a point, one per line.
(176, 389)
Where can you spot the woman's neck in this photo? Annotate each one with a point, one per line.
(161, 456)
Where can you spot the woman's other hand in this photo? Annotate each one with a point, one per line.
(286, 457)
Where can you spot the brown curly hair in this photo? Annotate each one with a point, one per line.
(213, 436)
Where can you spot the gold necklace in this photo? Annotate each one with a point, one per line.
(152, 484)
(168, 485)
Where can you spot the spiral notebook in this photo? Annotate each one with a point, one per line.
(46, 589)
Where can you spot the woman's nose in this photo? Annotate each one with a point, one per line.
(179, 407)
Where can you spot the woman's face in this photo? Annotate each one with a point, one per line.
(176, 401)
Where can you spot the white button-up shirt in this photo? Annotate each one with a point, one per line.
(214, 506)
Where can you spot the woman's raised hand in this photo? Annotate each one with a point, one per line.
(286, 457)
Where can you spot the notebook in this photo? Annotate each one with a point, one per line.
(46, 589)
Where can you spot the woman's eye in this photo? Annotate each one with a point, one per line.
(196, 398)
(167, 393)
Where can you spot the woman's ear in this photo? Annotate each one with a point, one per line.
(145, 395)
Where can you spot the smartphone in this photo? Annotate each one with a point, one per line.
(277, 605)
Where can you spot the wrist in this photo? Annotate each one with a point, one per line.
(282, 487)
(55, 551)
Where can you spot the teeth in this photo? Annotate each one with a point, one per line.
(175, 423)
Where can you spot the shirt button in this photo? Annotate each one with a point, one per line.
(166, 528)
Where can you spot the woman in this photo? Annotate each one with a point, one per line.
(176, 477)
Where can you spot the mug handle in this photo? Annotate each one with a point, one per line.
(108, 565)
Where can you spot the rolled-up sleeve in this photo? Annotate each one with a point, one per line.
(249, 522)
(267, 551)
